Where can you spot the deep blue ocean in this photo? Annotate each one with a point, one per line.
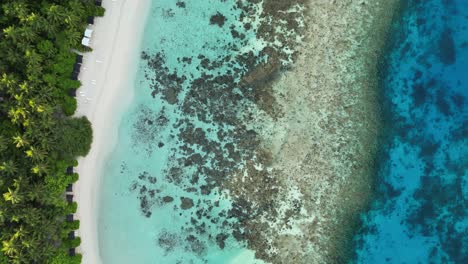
(420, 213)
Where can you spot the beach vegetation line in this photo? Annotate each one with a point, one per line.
(39, 138)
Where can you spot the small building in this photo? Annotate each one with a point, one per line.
(70, 198)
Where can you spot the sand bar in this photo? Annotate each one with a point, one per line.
(107, 76)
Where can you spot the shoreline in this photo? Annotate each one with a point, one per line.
(106, 73)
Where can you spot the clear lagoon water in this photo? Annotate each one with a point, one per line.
(151, 208)
(166, 192)
(420, 214)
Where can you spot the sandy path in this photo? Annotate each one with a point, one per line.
(107, 76)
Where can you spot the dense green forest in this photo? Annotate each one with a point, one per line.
(38, 137)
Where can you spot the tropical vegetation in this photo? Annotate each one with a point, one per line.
(39, 138)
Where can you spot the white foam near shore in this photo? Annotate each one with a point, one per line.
(107, 76)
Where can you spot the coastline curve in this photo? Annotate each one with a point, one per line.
(107, 74)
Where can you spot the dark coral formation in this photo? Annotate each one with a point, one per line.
(186, 203)
(180, 4)
(218, 19)
(146, 189)
(447, 48)
(168, 241)
(209, 158)
(147, 128)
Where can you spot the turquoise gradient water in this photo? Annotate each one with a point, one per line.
(141, 218)
(152, 209)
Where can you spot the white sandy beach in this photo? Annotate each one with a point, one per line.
(107, 77)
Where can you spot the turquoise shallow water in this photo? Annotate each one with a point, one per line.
(150, 212)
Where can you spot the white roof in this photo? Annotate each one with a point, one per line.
(85, 41)
(88, 32)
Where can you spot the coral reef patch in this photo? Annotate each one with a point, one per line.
(279, 117)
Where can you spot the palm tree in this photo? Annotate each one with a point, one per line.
(9, 247)
(9, 167)
(39, 169)
(2, 216)
(23, 46)
(20, 141)
(14, 115)
(35, 38)
(77, 8)
(55, 14)
(34, 67)
(10, 55)
(72, 20)
(24, 87)
(28, 34)
(34, 20)
(32, 103)
(74, 37)
(12, 33)
(31, 216)
(3, 144)
(35, 154)
(7, 81)
(20, 9)
(41, 108)
(19, 233)
(13, 196)
(46, 26)
(18, 115)
(19, 99)
(16, 244)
